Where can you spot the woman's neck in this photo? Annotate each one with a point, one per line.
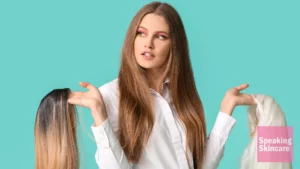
(155, 79)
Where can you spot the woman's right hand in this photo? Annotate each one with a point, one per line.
(91, 99)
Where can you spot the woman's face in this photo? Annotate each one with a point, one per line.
(152, 42)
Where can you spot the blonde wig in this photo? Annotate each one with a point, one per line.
(267, 112)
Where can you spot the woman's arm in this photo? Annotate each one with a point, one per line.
(109, 153)
(216, 140)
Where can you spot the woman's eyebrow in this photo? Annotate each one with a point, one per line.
(162, 32)
(156, 31)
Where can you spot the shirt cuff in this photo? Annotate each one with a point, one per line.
(103, 134)
(224, 124)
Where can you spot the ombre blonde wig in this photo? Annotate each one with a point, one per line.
(55, 132)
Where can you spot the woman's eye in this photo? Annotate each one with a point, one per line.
(141, 33)
(161, 37)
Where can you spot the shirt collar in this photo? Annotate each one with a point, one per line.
(167, 80)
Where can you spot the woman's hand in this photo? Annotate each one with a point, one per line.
(91, 99)
(233, 98)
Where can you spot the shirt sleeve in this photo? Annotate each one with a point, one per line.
(216, 140)
(109, 153)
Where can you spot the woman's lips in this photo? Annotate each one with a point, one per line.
(148, 56)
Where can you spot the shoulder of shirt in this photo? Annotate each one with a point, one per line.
(110, 95)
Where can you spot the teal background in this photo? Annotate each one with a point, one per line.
(55, 44)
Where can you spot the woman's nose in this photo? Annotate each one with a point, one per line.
(149, 44)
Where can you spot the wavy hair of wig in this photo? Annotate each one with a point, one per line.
(266, 112)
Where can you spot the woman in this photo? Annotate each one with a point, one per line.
(151, 116)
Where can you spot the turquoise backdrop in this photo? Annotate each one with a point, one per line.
(55, 44)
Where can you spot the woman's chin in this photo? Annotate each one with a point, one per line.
(147, 66)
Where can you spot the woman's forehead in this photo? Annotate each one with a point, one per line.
(153, 22)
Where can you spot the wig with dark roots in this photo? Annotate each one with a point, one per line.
(55, 132)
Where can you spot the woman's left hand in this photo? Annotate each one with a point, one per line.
(233, 98)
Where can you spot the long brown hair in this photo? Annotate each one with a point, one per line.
(55, 132)
(136, 117)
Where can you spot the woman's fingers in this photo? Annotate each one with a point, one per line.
(83, 84)
(86, 85)
(246, 99)
(83, 101)
(76, 94)
(242, 87)
(79, 101)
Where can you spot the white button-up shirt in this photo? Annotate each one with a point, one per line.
(165, 148)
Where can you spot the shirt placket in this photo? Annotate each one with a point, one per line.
(174, 132)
